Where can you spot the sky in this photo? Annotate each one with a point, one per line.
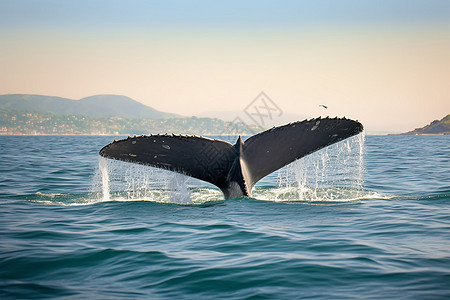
(384, 63)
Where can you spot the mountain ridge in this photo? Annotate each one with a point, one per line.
(104, 105)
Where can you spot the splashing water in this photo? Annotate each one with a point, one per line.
(122, 181)
(105, 178)
(334, 173)
(179, 190)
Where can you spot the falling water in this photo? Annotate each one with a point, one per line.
(123, 181)
(179, 190)
(334, 173)
(103, 166)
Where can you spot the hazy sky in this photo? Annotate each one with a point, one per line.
(385, 63)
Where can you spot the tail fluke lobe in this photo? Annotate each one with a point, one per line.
(201, 158)
(275, 148)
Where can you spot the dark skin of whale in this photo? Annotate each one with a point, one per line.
(233, 168)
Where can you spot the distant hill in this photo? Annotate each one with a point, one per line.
(93, 106)
(435, 127)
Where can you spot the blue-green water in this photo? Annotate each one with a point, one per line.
(337, 225)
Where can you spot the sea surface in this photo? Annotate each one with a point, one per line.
(367, 218)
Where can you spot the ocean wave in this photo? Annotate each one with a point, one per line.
(201, 196)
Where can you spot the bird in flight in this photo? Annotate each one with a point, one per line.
(324, 106)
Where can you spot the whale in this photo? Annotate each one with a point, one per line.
(234, 169)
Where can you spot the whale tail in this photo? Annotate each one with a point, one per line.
(233, 168)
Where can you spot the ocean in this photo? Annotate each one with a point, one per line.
(366, 218)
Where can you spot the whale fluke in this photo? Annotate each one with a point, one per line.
(233, 168)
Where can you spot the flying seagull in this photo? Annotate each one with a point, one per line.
(324, 106)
